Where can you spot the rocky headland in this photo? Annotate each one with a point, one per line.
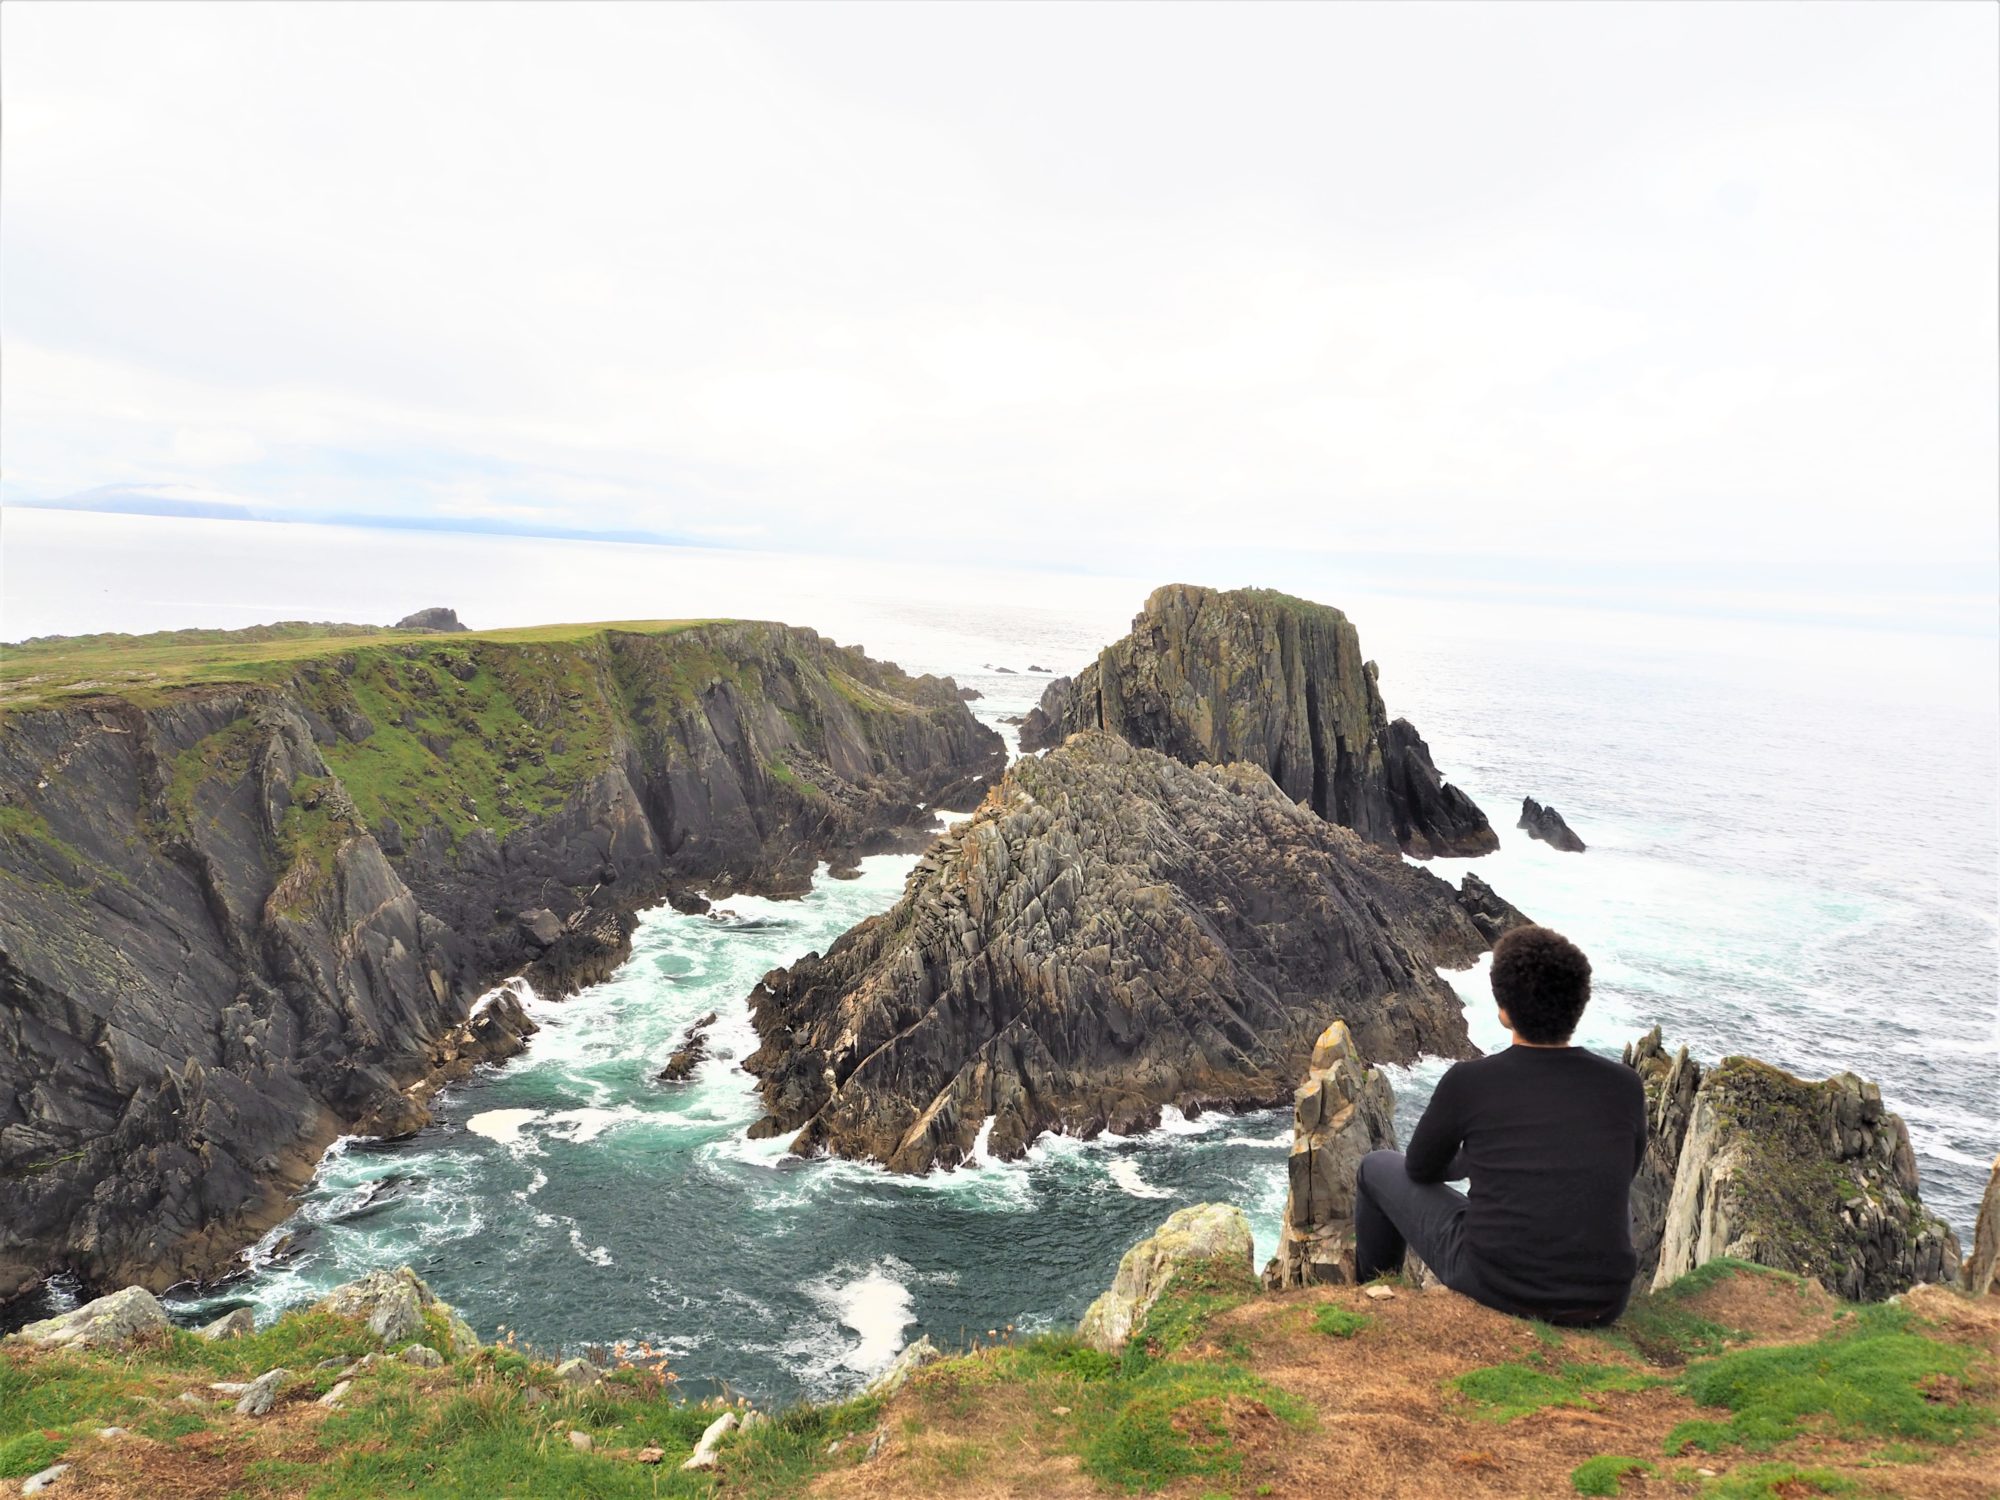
(248, 898)
(1258, 676)
(1113, 932)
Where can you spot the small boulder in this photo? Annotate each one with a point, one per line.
(231, 1325)
(392, 1303)
(424, 1357)
(108, 1323)
(583, 1442)
(332, 1397)
(34, 1484)
(262, 1392)
(912, 1359)
(578, 1373)
(1203, 1232)
(541, 927)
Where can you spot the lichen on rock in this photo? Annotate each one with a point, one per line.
(1205, 1232)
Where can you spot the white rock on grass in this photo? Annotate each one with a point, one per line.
(393, 1303)
(108, 1323)
(334, 1393)
(232, 1325)
(262, 1392)
(423, 1356)
(34, 1484)
(911, 1360)
(703, 1456)
(578, 1373)
(1203, 1232)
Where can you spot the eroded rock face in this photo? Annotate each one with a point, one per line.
(1112, 932)
(1814, 1178)
(1342, 1111)
(1982, 1266)
(1546, 824)
(1253, 675)
(1206, 1232)
(216, 954)
(1671, 1082)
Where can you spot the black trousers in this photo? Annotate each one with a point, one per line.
(1392, 1213)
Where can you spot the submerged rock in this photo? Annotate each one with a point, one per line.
(1254, 675)
(690, 1054)
(1546, 824)
(1206, 1232)
(1342, 1111)
(108, 1323)
(1111, 933)
(1813, 1178)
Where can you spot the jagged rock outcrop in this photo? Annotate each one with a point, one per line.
(1814, 1178)
(240, 919)
(1546, 824)
(690, 1054)
(108, 1323)
(436, 618)
(1253, 675)
(393, 1304)
(1204, 1232)
(1342, 1111)
(1982, 1265)
(1110, 933)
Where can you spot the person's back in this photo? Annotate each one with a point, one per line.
(1551, 1137)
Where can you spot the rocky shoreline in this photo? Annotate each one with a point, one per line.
(240, 920)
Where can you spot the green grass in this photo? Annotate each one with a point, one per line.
(1199, 1292)
(1777, 1482)
(1171, 1422)
(138, 665)
(1500, 1393)
(1602, 1475)
(1661, 1328)
(29, 1453)
(1337, 1322)
(1871, 1377)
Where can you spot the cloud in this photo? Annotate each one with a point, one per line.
(1589, 287)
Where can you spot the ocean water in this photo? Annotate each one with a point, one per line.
(1793, 854)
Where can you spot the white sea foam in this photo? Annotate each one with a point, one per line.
(503, 1125)
(876, 1307)
(1125, 1172)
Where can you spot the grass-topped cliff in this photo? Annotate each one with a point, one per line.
(250, 881)
(1735, 1383)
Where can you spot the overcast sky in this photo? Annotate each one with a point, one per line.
(1702, 292)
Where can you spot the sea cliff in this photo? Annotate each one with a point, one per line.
(250, 886)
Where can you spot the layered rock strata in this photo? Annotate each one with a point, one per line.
(1112, 932)
(1253, 675)
(1814, 1178)
(1546, 824)
(1342, 1111)
(239, 919)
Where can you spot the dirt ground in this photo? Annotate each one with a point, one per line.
(1388, 1427)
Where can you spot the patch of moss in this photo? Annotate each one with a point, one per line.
(1337, 1322)
(29, 1453)
(1778, 1482)
(1603, 1475)
(1787, 1190)
(1500, 1393)
(1198, 1292)
(1173, 1422)
(1871, 1377)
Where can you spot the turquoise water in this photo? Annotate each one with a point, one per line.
(1793, 854)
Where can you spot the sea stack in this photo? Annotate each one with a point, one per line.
(1111, 933)
(1258, 676)
(1546, 824)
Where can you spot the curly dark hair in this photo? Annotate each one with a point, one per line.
(1542, 980)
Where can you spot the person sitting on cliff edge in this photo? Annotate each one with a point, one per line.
(1551, 1136)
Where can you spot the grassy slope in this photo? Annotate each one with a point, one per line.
(1228, 1391)
(57, 667)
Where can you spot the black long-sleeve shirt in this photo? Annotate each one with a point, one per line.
(1551, 1138)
